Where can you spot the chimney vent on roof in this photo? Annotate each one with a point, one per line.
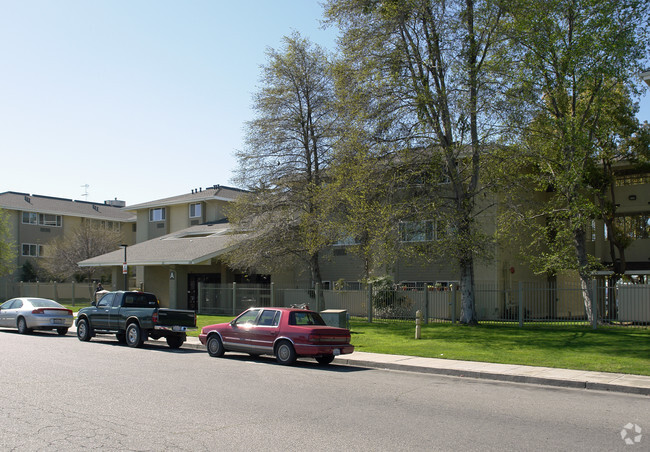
(95, 208)
(27, 199)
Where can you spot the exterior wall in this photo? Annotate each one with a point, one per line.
(178, 217)
(215, 211)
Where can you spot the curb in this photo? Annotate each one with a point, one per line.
(522, 379)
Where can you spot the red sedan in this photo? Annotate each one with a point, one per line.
(287, 333)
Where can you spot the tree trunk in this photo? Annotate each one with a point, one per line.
(583, 270)
(317, 280)
(468, 312)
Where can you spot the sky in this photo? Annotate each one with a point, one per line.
(136, 100)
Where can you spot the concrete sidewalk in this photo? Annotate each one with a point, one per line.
(568, 378)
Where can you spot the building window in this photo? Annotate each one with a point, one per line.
(195, 210)
(32, 250)
(634, 226)
(416, 231)
(633, 179)
(30, 218)
(45, 219)
(157, 214)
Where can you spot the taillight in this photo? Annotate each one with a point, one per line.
(38, 311)
(154, 317)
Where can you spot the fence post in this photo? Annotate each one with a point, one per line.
(56, 292)
(426, 304)
(273, 294)
(594, 304)
(521, 304)
(369, 303)
(452, 303)
(234, 298)
(38, 289)
(201, 298)
(72, 292)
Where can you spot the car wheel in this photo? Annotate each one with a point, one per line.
(285, 353)
(133, 335)
(62, 331)
(325, 359)
(214, 346)
(83, 330)
(22, 326)
(175, 341)
(121, 338)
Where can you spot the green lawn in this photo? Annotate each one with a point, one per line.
(606, 349)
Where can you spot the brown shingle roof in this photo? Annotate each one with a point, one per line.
(61, 206)
(216, 192)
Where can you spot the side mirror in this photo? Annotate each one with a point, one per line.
(94, 303)
(232, 323)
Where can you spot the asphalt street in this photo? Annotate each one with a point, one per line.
(61, 394)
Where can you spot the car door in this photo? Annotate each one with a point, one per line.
(114, 311)
(99, 318)
(11, 314)
(4, 312)
(237, 336)
(262, 335)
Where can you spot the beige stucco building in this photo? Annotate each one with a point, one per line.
(35, 220)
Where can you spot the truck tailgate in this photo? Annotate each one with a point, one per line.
(176, 317)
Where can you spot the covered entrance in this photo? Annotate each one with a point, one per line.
(193, 280)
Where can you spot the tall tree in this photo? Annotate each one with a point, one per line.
(7, 246)
(433, 67)
(287, 149)
(572, 57)
(86, 241)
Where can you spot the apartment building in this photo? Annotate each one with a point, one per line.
(35, 220)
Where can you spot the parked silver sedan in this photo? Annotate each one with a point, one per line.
(29, 314)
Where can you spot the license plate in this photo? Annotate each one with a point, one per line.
(337, 352)
(177, 328)
(57, 321)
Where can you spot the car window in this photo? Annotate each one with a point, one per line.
(116, 301)
(305, 318)
(140, 300)
(43, 303)
(269, 318)
(248, 317)
(17, 304)
(7, 304)
(105, 301)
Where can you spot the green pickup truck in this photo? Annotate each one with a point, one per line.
(134, 317)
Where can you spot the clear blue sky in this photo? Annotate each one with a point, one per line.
(138, 99)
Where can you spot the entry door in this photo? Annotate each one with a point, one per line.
(193, 280)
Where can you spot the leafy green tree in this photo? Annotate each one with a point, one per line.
(288, 148)
(7, 246)
(432, 69)
(571, 59)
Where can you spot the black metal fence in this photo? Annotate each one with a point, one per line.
(523, 304)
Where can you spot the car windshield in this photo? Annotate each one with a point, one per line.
(43, 303)
(305, 318)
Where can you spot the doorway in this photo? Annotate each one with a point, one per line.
(193, 280)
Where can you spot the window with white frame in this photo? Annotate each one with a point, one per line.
(30, 218)
(157, 214)
(32, 250)
(416, 231)
(195, 210)
(47, 219)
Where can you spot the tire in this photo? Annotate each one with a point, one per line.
(121, 338)
(175, 341)
(134, 335)
(325, 359)
(83, 330)
(22, 326)
(62, 331)
(215, 346)
(285, 353)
